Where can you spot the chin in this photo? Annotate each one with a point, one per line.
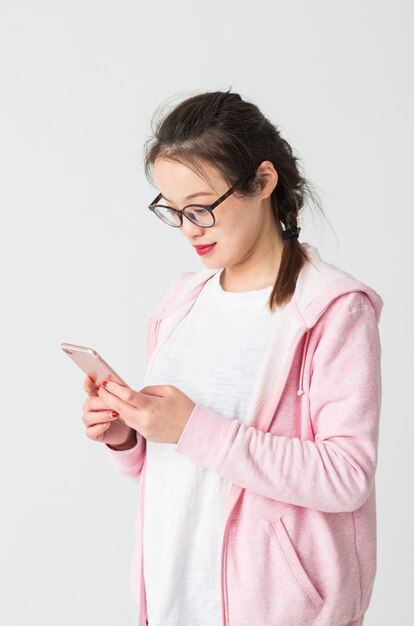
(211, 264)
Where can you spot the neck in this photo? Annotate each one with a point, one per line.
(260, 270)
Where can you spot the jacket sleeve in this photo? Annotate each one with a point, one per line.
(335, 471)
(130, 462)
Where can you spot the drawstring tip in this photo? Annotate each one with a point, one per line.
(300, 392)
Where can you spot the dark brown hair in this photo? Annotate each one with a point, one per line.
(232, 135)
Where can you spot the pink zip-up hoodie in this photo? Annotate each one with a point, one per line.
(299, 544)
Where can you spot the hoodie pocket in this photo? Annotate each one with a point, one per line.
(266, 582)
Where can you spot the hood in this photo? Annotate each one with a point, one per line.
(318, 284)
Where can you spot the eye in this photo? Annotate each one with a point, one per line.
(169, 209)
(198, 208)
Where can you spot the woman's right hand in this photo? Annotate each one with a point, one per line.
(100, 424)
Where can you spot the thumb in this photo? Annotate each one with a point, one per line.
(155, 390)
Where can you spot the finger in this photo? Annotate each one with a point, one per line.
(110, 401)
(89, 383)
(97, 432)
(94, 403)
(126, 394)
(93, 418)
(111, 377)
(129, 409)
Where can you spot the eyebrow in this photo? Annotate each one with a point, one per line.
(193, 195)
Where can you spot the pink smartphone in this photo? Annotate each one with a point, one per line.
(90, 362)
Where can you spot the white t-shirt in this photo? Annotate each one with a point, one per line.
(213, 356)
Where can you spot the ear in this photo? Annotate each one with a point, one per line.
(268, 178)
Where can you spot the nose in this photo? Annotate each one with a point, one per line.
(189, 229)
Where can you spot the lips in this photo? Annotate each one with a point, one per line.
(206, 245)
(205, 249)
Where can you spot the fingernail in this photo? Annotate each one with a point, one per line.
(105, 382)
(97, 388)
(115, 414)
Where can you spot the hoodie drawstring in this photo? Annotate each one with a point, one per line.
(302, 366)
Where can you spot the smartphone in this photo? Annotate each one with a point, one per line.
(91, 362)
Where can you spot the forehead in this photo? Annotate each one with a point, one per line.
(171, 176)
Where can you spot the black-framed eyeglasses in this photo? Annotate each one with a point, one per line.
(199, 214)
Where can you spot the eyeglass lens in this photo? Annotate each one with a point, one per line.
(196, 214)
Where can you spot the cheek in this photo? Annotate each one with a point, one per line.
(236, 227)
(234, 241)
(231, 219)
(242, 229)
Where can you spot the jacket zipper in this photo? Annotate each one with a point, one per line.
(224, 541)
(223, 562)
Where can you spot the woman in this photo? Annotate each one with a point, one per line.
(255, 440)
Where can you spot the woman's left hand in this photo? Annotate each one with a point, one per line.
(158, 412)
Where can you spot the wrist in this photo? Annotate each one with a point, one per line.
(127, 445)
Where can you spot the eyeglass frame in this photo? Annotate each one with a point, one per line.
(210, 208)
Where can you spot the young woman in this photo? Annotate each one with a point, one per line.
(255, 438)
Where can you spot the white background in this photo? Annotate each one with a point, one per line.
(84, 261)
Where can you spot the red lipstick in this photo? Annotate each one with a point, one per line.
(204, 249)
